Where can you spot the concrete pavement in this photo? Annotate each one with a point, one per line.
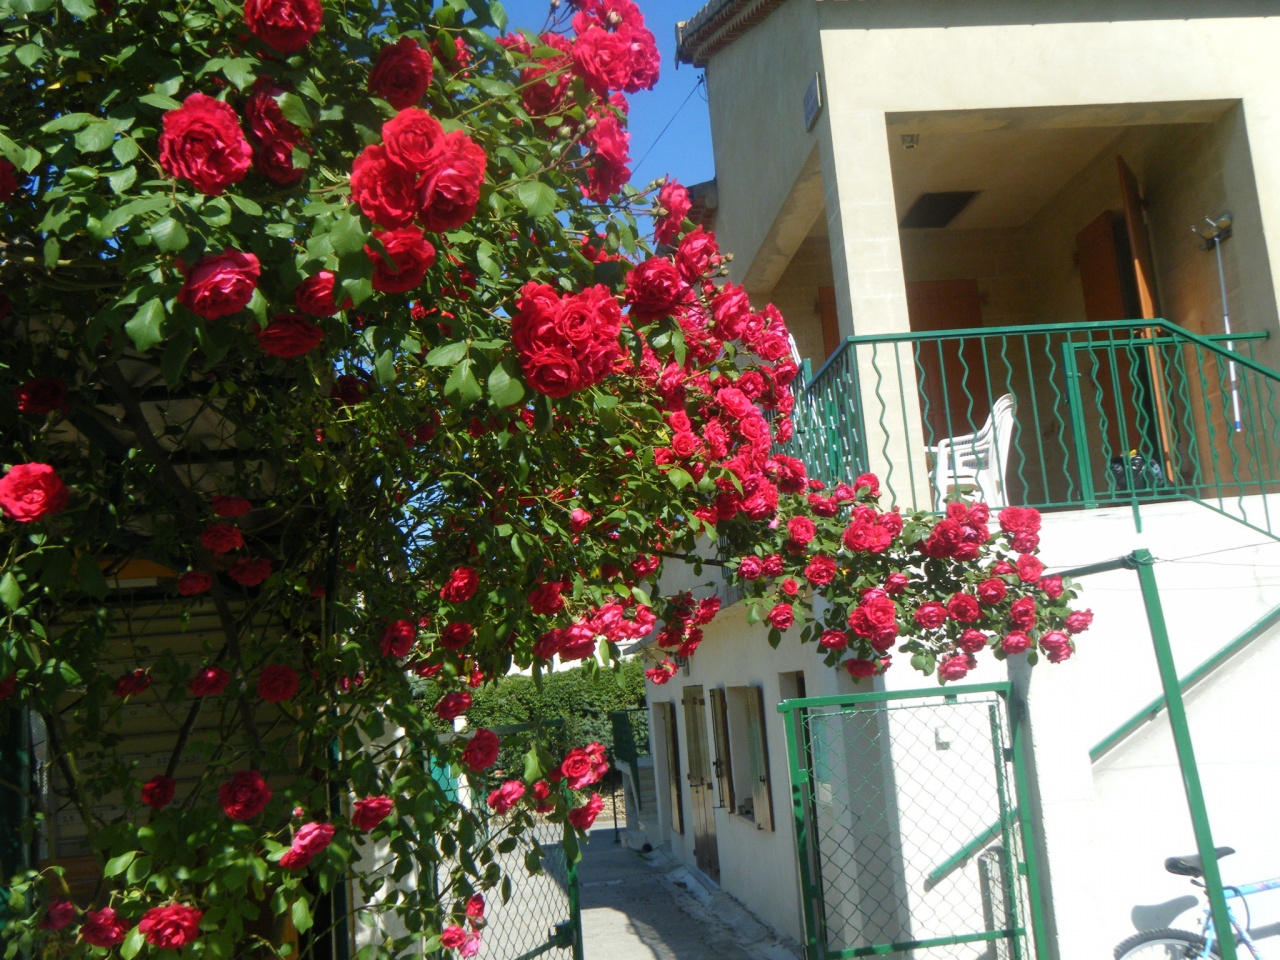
(638, 906)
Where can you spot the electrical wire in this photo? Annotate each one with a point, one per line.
(702, 79)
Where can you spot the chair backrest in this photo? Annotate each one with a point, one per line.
(1000, 426)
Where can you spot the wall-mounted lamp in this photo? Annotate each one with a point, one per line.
(910, 141)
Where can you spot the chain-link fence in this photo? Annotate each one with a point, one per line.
(890, 788)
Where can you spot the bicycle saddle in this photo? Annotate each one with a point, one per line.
(1193, 866)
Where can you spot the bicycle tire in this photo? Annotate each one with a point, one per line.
(1165, 944)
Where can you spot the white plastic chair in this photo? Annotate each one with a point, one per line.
(977, 460)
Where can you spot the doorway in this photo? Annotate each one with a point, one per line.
(701, 784)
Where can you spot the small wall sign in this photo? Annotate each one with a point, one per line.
(812, 102)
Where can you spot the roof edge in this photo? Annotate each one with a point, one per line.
(716, 26)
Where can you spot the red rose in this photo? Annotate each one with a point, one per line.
(221, 538)
(971, 641)
(1052, 587)
(202, 143)
(1056, 645)
(750, 568)
(41, 396)
(931, 615)
(404, 263)
(450, 188)
(453, 705)
(8, 180)
(401, 74)
(316, 295)
(462, 585)
(506, 796)
(8, 686)
(398, 638)
(371, 811)
(57, 915)
(955, 667)
(452, 937)
(289, 335)
(582, 767)
(209, 682)
(876, 620)
(285, 25)
(821, 570)
(221, 284)
(456, 636)
(584, 816)
(1078, 621)
(157, 793)
(896, 584)
(833, 640)
(348, 390)
(860, 669)
(273, 136)
(475, 908)
(132, 684)
(546, 598)
(313, 838)
(655, 289)
(964, 607)
(1015, 642)
(231, 506)
(410, 139)
(245, 796)
(386, 192)
(1018, 520)
(103, 928)
(1022, 613)
(801, 530)
(277, 683)
(781, 617)
(171, 927)
(482, 750)
(1030, 568)
(250, 571)
(992, 591)
(32, 491)
(673, 206)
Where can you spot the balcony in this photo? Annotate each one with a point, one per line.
(1106, 414)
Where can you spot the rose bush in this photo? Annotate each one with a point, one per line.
(338, 370)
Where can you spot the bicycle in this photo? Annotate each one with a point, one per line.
(1183, 944)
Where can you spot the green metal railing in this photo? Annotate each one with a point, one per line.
(1110, 412)
(883, 781)
(631, 741)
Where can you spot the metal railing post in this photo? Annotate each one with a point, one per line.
(1142, 561)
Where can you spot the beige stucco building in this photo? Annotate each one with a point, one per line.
(990, 196)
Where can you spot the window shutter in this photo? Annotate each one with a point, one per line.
(761, 789)
(724, 763)
(665, 714)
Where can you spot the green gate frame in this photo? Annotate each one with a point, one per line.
(815, 943)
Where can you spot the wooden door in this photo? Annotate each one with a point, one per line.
(1145, 277)
(701, 784)
(954, 371)
(664, 719)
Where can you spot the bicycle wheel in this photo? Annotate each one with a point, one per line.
(1161, 945)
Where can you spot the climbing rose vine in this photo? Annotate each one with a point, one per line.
(339, 380)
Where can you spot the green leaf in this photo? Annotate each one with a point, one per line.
(169, 235)
(246, 205)
(124, 149)
(240, 72)
(122, 180)
(10, 591)
(447, 354)
(462, 383)
(384, 368)
(159, 101)
(147, 325)
(294, 110)
(175, 358)
(92, 581)
(533, 767)
(498, 15)
(536, 197)
(348, 235)
(118, 865)
(84, 9)
(679, 477)
(68, 121)
(505, 387)
(132, 945)
(301, 913)
(28, 54)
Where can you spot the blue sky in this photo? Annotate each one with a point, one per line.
(684, 151)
